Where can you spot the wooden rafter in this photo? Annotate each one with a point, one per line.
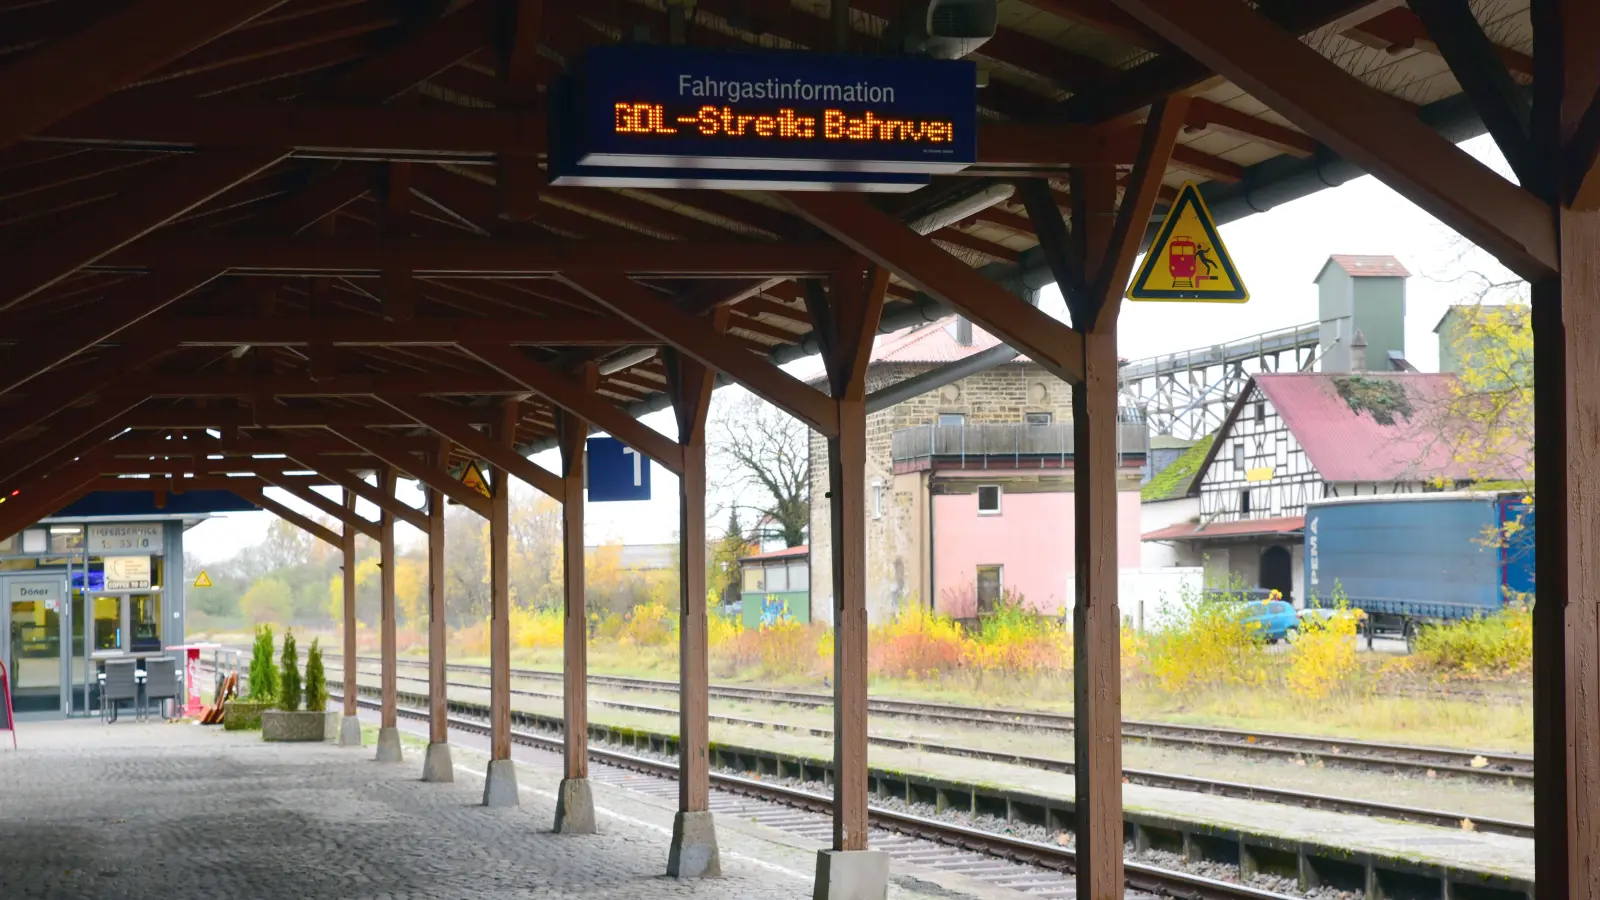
(255, 492)
(77, 70)
(307, 494)
(431, 474)
(1175, 73)
(443, 419)
(570, 394)
(1138, 201)
(1482, 74)
(930, 269)
(486, 256)
(693, 336)
(351, 330)
(332, 469)
(1363, 125)
(181, 185)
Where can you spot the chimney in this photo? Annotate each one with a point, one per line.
(1358, 352)
(963, 331)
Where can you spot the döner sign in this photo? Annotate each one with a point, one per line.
(709, 116)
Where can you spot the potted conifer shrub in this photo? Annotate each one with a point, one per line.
(288, 722)
(245, 713)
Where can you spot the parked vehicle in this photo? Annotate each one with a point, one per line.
(1405, 560)
(1270, 620)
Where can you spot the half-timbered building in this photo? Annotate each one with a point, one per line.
(1294, 438)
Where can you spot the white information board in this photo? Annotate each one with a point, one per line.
(127, 573)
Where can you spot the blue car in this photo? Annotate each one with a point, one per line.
(1271, 620)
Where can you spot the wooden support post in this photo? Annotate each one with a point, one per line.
(847, 459)
(388, 731)
(574, 804)
(694, 839)
(1096, 622)
(500, 601)
(846, 319)
(437, 766)
(1097, 694)
(500, 789)
(1566, 323)
(351, 726)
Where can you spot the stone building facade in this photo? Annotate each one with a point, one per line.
(906, 491)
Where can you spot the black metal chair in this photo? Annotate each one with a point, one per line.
(161, 682)
(120, 685)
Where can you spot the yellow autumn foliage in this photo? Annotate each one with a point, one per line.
(1322, 658)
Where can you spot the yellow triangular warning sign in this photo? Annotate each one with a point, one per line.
(204, 580)
(1187, 260)
(472, 477)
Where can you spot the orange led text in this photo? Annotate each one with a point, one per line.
(785, 124)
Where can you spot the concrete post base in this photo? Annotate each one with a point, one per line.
(350, 732)
(694, 846)
(851, 875)
(500, 785)
(437, 767)
(389, 745)
(575, 807)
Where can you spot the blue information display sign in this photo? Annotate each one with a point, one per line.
(647, 107)
(616, 471)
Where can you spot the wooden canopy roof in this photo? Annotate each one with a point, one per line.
(269, 217)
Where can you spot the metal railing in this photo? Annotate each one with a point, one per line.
(1017, 441)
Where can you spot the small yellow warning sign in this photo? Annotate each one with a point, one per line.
(1187, 260)
(204, 580)
(472, 477)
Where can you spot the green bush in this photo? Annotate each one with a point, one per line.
(1205, 643)
(263, 671)
(316, 681)
(1482, 646)
(289, 680)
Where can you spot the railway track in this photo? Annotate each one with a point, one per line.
(1405, 759)
(1148, 778)
(1040, 869)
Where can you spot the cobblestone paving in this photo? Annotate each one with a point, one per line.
(179, 811)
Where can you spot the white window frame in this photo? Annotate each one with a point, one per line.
(877, 498)
(999, 500)
(1238, 456)
(1049, 419)
(940, 420)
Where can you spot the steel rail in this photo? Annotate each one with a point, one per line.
(1138, 876)
(1143, 777)
(1482, 765)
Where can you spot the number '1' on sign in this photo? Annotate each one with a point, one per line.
(616, 471)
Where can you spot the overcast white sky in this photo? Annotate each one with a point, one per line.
(1277, 253)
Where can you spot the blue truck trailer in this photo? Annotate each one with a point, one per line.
(1409, 559)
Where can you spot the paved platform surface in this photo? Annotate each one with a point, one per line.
(180, 811)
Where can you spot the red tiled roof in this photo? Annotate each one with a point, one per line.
(1189, 531)
(1346, 445)
(930, 343)
(785, 553)
(1359, 266)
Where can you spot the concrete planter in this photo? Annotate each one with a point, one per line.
(277, 725)
(243, 715)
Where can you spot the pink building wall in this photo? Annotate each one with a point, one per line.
(1032, 538)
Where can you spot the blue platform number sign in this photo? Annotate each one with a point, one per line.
(616, 471)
